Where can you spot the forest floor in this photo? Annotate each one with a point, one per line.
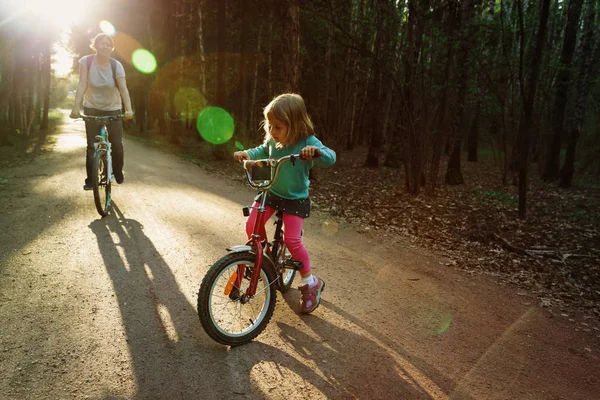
(554, 252)
(469, 318)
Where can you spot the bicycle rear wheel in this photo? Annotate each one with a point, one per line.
(286, 275)
(101, 183)
(223, 315)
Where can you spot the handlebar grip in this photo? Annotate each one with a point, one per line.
(316, 155)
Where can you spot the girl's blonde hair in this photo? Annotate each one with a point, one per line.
(99, 36)
(289, 108)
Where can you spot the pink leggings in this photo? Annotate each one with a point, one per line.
(292, 234)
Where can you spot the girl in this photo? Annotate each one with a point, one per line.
(103, 90)
(289, 130)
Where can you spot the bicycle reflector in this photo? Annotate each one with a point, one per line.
(230, 284)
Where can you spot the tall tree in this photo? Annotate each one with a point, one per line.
(552, 163)
(290, 16)
(47, 80)
(375, 91)
(581, 101)
(528, 91)
(457, 121)
(221, 89)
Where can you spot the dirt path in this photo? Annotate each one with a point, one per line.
(105, 308)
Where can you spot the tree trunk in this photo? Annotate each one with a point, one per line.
(291, 45)
(473, 141)
(47, 79)
(440, 131)
(528, 94)
(375, 100)
(242, 123)
(221, 89)
(587, 45)
(270, 51)
(253, 123)
(200, 35)
(454, 171)
(552, 164)
(454, 174)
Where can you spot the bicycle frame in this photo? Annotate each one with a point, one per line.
(255, 242)
(103, 143)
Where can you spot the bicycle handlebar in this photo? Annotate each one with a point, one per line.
(102, 118)
(272, 163)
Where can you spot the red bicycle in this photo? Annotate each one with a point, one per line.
(237, 296)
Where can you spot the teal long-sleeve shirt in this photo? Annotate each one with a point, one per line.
(292, 182)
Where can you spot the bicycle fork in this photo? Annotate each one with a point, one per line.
(256, 243)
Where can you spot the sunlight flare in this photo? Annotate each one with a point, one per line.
(59, 13)
(108, 28)
(215, 125)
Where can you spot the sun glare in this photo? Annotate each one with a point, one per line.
(61, 13)
(62, 61)
(58, 14)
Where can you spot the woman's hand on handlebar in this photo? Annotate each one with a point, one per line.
(128, 115)
(241, 156)
(309, 152)
(74, 114)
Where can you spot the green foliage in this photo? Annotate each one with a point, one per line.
(55, 115)
(59, 95)
(486, 152)
(496, 197)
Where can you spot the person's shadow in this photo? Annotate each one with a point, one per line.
(171, 357)
(156, 315)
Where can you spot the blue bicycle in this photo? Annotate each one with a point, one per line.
(102, 174)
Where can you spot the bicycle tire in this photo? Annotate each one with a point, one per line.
(99, 181)
(223, 316)
(286, 275)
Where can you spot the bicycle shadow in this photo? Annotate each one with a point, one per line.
(382, 371)
(156, 315)
(171, 357)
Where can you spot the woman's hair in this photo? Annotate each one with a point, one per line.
(289, 108)
(99, 36)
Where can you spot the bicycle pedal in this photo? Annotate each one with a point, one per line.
(293, 264)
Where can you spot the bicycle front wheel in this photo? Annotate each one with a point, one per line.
(101, 183)
(224, 315)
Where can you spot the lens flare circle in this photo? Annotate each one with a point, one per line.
(215, 125)
(239, 145)
(108, 28)
(144, 61)
(189, 101)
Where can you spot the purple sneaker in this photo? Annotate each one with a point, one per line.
(311, 296)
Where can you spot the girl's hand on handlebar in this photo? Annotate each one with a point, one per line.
(309, 152)
(241, 156)
(249, 164)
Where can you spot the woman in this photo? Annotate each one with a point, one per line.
(103, 90)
